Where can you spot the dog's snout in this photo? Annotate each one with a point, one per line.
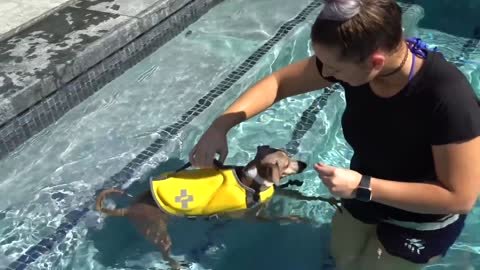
(301, 166)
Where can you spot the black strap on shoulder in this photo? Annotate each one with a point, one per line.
(253, 197)
(218, 165)
(208, 217)
(184, 167)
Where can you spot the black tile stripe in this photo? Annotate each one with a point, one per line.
(308, 118)
(72, 218)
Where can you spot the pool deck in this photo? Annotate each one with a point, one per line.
(52, 51)
(57, 41)
(20, 14)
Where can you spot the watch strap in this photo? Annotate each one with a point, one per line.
(365, 181)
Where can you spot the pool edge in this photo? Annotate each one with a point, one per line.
(98, 64)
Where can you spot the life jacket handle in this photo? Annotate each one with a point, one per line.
(217, 163)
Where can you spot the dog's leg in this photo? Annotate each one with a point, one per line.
(294, 194)
(152, 223)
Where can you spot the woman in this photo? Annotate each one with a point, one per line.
(412, 120)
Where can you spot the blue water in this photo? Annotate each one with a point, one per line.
(459, 18)
(64, 165)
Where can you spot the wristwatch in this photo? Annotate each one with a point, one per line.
(364, 192)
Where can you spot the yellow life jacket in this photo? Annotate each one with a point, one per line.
(204, 192)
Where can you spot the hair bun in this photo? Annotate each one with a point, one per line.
(340, 10)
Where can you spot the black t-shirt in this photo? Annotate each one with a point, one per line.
(392, 137)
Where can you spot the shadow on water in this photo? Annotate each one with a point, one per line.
(274, 246)
(232, 245)
(458, 18)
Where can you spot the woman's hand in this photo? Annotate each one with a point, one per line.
(339, 181)
(213, 141)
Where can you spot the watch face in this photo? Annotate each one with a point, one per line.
(364, 194)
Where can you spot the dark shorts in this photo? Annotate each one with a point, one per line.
(414, 245)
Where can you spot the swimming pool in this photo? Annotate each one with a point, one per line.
(99, 143)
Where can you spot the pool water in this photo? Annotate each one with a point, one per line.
(63, 166)
(459, 18)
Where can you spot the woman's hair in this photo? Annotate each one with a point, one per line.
(359, 27)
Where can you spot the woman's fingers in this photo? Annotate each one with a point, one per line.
(324, 170)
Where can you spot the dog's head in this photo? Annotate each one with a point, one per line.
(272, 164)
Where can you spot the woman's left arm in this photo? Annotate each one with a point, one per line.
(458, 170)
(455, 140)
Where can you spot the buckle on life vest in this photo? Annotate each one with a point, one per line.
(210, 217)
(214, 216)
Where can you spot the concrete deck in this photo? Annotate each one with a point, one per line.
(60, 47)
(44, 56)
(19, 14)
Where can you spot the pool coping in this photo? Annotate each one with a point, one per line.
(15, 30)
(131, 39)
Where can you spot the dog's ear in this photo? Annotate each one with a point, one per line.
(273, 172)
(262, 148)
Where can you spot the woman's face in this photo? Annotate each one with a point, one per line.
(353, 73)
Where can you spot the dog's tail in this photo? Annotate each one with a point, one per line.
(112, 212)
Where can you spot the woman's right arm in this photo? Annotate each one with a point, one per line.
(294, 79)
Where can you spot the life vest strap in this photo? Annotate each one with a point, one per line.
(187, 165)
(295, 182)
(253, 197)
(210, 217)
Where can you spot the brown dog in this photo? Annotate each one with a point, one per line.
(256, 182)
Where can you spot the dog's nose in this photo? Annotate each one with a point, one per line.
(301, 166)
